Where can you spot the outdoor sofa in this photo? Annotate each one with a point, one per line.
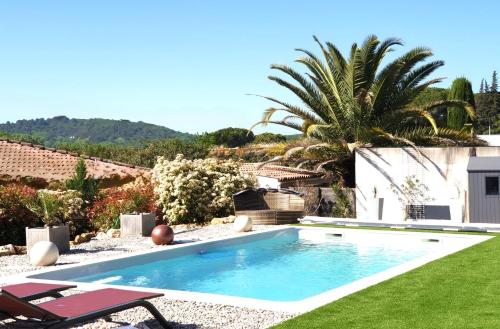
(269, 206)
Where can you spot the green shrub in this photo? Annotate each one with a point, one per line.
(343, 207)
(230, 137)
(15, 216)
(143, 154)
(269, 138)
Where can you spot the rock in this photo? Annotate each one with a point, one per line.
(223, 220)
(113, 233)
(20, 250)
(101, 236)
(242, 224)
(7, 250)
(84, 237)
(43, 253)
(230, 219)
(217, 221)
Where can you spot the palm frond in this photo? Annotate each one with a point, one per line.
(351, 101)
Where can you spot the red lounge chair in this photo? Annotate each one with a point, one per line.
(67, 311)
(34, 290)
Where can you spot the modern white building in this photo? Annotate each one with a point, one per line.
(492, 140)
(432, 184)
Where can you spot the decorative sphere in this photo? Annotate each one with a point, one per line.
(43, 253)
(242, 224)
(162, 234)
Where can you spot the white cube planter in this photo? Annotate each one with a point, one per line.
(59, 235)
(141, 224)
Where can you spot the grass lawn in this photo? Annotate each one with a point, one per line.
(458, 291)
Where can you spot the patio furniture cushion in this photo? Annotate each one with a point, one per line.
(92, 301)
(29, 289)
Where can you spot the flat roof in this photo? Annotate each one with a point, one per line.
(481, 164)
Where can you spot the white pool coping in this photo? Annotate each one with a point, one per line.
(426, 224)
(301, 306)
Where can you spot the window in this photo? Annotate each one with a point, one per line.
(491, 184)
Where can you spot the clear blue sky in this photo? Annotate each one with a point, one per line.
(188, 65)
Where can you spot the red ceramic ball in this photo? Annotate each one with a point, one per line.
(162, 234)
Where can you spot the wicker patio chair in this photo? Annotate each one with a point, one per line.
(269, 207)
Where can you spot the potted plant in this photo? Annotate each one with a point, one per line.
(48, 207)
(136, 216)
(137, 224)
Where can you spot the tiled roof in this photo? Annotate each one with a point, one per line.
(25, 161)
(281, 173)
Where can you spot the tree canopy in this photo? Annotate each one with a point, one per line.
(354, 100)
(61, 129)
(230, 137)
(267, 138)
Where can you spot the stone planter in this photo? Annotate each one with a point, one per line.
(141, 224)
(59, 235)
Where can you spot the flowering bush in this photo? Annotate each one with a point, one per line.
(73, 213)
(195, 191)
(105, 212)
(14, 213)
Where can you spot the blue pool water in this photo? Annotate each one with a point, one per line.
(282, 268)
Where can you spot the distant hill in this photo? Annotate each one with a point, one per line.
(63, 129)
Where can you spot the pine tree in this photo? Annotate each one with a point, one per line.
(88, 186)
(494, 83)
(494, 98)
(461, 89)
(481, 88)
(489, 109)
(486, 116)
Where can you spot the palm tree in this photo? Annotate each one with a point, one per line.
(354, 101)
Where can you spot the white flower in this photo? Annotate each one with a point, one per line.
(197, 190)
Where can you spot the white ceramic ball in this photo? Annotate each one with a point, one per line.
(242, 224)
(43, 253)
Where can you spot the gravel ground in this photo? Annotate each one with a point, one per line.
(182, 314)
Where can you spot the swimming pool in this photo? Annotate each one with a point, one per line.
(284, 266)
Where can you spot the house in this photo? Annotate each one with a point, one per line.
(41, 167)
(273, 176)
(446, 185)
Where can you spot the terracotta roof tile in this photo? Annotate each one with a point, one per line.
(20, 160)
(281, 173)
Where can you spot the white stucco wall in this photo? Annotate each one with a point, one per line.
(492, 140)
(442, 170)
(267, 182)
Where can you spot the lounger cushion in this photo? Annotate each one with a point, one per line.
(92, 301)
(22, 290)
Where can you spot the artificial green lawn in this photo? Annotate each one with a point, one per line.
(461, 290)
